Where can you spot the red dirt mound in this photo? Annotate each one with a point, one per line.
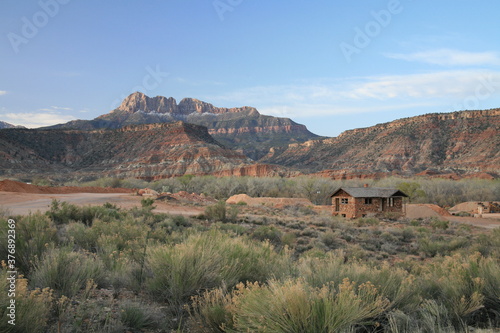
(13, 186)
(425, 210)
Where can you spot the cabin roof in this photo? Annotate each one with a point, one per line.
(371, 192)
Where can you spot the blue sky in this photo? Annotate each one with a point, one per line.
(331, 65)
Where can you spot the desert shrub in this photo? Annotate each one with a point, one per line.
(439, 224)
(209, 260)
(267, 232)
(395, 284)
(126, 273)
(330, 239)
(288, 238)
(408, 234)
(104, 182)
(291, 306)
(161, 231)
(126, 236)
(147, 203)
(134, 183)
(309, 232)
(35, 233)
(489, 273)
(489, 244)
(458, 284)
(433, 246)
(211, 311)
(428, 317)
(32, 307)
(64, 212)
(138, 316)
(67, 272)
(216, 212)
(367, 221)
(237, 229)
(81, 236)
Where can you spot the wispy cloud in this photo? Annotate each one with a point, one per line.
(444, 84)
(450, 57)
(3, 92)
(366, 94)
(319, 110)
(55, 108)
(33, 120)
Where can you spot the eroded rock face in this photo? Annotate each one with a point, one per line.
(242, 128)
(149, 151)
(452, 143)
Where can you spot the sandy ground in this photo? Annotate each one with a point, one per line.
(424, 210)
(24, 203)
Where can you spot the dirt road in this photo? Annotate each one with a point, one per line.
(24, 203)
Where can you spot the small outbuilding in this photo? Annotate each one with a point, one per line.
(356, 202)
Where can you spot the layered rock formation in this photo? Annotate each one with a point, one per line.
(243, 128)
(459, 142)
(150, 151)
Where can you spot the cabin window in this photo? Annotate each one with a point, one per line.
(368, 201)
(344, 201)
(391, 202)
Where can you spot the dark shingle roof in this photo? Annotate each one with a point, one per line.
(371, 192)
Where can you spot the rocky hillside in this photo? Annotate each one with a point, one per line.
(460, 142)
(3, 124)
(151, 151)
(244, 128)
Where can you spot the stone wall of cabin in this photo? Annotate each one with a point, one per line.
(357, 208)
(347, 210)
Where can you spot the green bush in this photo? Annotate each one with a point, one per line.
(456, 284)
(367, 221)
(291, 306)
(67, 272)
(35, 233)
(330, 239)
(138, 316)
(216, 212)
(394, 284)
(64, 212)
(433, 246)
(439, 224)
(147, 203)
(210, 260)
(267, 232)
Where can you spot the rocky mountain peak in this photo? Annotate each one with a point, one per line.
(138, 101)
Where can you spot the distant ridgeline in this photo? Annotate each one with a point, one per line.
(195, 137)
